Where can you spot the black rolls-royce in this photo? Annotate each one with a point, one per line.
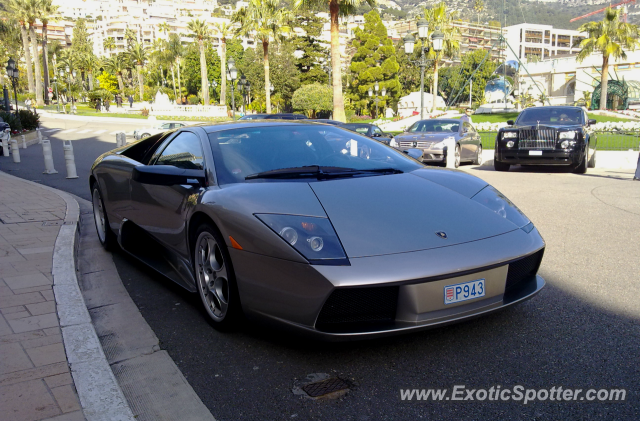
(553, 135)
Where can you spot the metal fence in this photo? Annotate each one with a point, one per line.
(607, 141)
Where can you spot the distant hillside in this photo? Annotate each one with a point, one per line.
(556, 13)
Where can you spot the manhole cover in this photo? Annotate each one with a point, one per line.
(325, 387)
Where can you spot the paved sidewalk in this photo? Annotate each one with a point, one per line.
(35, 379)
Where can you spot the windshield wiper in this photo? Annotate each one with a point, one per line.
(319, 172)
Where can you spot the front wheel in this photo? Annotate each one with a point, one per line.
(478, 160)
(592, 160)
(105, 235)
(143, 135)
(457, 156)
(581, 168)
(500, 166)
(215, 279)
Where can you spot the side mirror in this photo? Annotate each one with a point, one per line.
(592, 122)
(167, 175)
(414, 153)
(510, 122)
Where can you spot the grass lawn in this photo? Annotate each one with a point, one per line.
(89, 111)
(500, 118)
(605, 142)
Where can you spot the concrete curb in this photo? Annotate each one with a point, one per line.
(100, 395)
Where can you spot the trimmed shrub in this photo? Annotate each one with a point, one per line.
(30, 120)
(12, 120)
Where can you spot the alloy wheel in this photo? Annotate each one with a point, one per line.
(98, 215)
(213, 282)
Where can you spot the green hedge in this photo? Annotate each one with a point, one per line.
(12, 120)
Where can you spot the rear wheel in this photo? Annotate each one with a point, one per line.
(500, 166)
(215, 279)
(143, 135)
(456, 156)
(478, 160)
(592, 160)
(105, 235)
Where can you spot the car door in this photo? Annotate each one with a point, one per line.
(474, 141)
(467, 150)
(162, 210)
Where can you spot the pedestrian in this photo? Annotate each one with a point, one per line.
(467, 116)
(27, 104)
(130, 101)
(118, 101)
(98, 104)
(106, 104)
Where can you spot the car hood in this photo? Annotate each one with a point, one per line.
(402, 213)
(425, 137)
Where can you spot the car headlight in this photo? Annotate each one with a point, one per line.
(509, 135)
(567, 135)
(393, 143)
(498, 203)
(312, 237)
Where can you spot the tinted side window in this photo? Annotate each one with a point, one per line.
(184, 151)
(143, 148)
(377, 130)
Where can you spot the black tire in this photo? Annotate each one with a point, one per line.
(457, 159)
(478, 159)
(143, 135)
(215, 279)
(500, 166)
(106, 237)
(592, 160)
(581, 168)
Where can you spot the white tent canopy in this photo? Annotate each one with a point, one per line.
(410, 103)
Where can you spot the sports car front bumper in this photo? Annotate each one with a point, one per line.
(390, 294)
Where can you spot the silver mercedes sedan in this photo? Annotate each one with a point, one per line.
(314, 228)
(430, 137)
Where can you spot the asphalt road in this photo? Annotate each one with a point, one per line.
(582, 331)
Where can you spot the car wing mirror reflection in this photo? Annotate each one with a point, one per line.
(413, 153)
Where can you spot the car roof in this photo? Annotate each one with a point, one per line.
(239, 124)
(451, 120)
(357, 124)
(562, 107)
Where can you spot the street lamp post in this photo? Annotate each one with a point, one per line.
(271, 89)
(14, 74)
(55, 82)
(213, 84)
(232, 75)
(409, 43)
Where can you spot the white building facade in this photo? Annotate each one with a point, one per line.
(530, 40)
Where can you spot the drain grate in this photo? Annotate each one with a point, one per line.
(325, 387)
(56, 223)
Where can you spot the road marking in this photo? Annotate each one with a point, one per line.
(114, 132)
(53, 130)
(99, 131)
(69, 130)
(84, 131)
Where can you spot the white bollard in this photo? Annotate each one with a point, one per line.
(121, 139)
(15, 151)
(39, 136)
(5, 142)
(69, 159)
(48, 157)
(24, 142)
(451, 150)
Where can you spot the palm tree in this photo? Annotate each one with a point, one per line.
(224, 30)
(200, 31)
(110, 44)
(90, 63)
(130, 36)
(138, 55)
(441, 19)
(336, 8)
(263, 20)
(33, 10)
(46, 10)
(20, 10)
(164, 27)
(608, 37)
(116, 65)
(174, 52)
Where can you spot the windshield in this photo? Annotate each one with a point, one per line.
(435, 126)
(355, 128)
(550, 115)
(239, 153)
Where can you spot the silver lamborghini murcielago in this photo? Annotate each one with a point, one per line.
(315, 228)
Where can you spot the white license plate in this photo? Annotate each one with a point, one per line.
(464, 291)
(535, 152)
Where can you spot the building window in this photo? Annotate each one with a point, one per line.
(571, 88)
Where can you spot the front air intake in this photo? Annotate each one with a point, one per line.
(523, 269)
(348, 306)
